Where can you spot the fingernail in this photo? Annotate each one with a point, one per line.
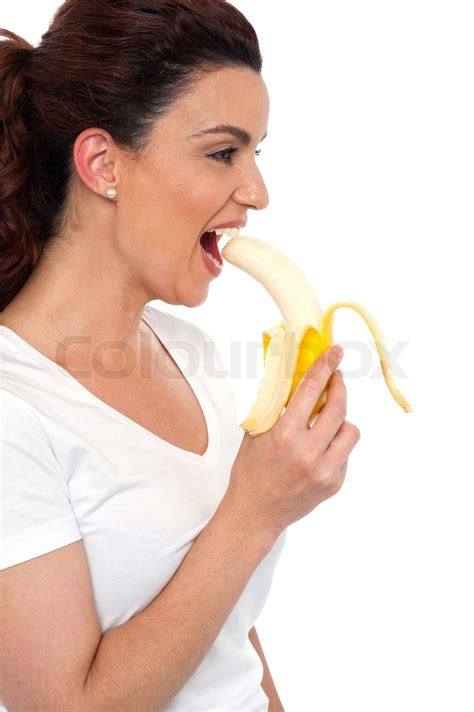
(337, 352)
(339, 373)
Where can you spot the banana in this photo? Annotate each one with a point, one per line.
(293, 345)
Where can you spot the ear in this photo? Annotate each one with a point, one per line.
(95, 157)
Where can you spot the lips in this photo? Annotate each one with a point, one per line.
(209, 243)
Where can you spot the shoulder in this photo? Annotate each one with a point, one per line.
(22, 415)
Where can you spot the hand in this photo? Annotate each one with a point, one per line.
(280, 476)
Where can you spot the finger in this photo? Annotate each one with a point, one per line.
(341, 446)
(310, 388)
(333, 413)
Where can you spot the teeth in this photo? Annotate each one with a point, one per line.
(291, 347)
(230, 231)
(211, 257)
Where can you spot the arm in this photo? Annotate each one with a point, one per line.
(143, 663)
(267, 682)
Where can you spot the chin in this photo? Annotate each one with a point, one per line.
(190, 300)
(196, 302)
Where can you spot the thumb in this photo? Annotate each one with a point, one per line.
(310, 391)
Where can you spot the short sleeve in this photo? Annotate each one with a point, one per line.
(36, 516)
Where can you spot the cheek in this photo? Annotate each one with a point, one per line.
(196, 199)
(198, 188)
(167, 209)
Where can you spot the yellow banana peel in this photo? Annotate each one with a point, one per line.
(292, 346)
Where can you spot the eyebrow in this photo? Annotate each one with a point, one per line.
(236, 131)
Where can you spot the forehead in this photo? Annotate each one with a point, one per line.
(224, 96)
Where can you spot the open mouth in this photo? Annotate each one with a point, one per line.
(209, 244)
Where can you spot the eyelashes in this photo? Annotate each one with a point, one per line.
(226, 155)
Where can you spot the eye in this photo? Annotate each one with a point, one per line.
(225, 156)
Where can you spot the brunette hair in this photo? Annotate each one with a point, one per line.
(114, 64)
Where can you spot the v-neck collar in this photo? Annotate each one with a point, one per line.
(194, 381)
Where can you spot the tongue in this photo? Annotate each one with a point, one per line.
(209, 242)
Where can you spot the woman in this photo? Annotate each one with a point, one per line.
(140, 530)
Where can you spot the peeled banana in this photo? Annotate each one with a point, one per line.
(293, 345)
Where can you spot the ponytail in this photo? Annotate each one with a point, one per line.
(19, 248)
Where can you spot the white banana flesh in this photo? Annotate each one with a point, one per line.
(292, 346)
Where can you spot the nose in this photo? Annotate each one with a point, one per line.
(253, 191)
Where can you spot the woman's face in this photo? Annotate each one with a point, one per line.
(177, 189)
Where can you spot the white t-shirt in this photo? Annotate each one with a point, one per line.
(75, 468)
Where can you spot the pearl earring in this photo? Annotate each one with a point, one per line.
(111, 193)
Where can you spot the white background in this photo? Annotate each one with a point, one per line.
(369, 163)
